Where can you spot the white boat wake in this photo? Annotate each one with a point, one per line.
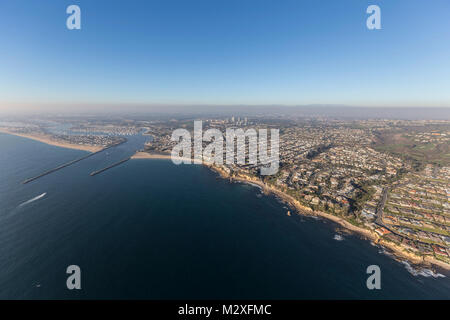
(34, 199)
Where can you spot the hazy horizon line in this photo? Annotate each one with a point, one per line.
(56, 107)
(330, 111)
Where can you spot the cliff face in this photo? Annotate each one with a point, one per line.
(398, 250)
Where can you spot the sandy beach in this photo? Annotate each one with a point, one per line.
(49, 140)
(146, 155)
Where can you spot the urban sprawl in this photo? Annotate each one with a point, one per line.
(388, 176)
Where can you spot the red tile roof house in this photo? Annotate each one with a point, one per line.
(440, 251)
(382, 231)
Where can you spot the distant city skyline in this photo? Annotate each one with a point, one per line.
(185, 53)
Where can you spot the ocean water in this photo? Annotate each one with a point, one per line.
(149, 229)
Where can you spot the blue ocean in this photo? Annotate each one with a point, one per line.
(149, 229)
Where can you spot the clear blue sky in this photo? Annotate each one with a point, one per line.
(225, 52)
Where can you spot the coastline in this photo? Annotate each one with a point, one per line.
(146, 155)
(397, 250)
(48, 140)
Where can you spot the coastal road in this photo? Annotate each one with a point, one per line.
(380, 207)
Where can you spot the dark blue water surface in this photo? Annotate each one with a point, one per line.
(151, 229)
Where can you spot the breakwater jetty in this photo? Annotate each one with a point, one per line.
(69, 163)
(93, 173)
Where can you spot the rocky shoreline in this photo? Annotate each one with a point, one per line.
(398, 251)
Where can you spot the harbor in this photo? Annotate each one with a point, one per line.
(69, 163)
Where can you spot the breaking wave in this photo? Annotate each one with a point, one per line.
(422, 272)
(338, 237)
